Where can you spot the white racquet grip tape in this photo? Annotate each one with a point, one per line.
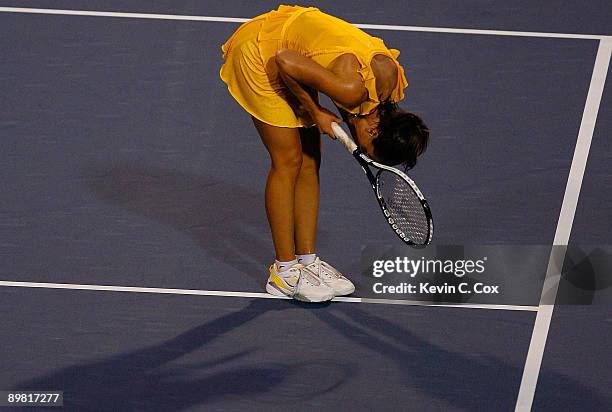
(343, 137)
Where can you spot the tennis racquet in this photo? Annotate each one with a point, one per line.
(401, 201)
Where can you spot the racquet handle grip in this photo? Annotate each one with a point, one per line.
(343, 137)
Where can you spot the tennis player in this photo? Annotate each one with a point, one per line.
(275, 66)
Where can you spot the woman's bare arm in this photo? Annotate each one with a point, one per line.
(318, 115)
(304, 97)
(344, 85)
(302, 75)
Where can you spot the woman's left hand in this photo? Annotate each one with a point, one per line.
(323, 119)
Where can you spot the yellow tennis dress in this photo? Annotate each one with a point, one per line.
(250, 70)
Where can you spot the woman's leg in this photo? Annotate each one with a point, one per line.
(285, 151)
(306, 209)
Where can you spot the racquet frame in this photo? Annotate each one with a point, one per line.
(365, 162)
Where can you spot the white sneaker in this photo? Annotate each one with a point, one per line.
(331, 276)
(297, 283)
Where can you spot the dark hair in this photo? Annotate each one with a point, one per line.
(402, 136)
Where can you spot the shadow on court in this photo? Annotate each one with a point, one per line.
(465, 381)
(185, 371)
(225, 219)
(144, 380)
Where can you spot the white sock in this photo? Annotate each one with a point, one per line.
(306, 259)
(282, 266)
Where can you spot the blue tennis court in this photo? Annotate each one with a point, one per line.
(134, 243)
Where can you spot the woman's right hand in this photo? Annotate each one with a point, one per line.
(323, 119)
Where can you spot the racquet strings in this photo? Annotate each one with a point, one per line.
(404, 206)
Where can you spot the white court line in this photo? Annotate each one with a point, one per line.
(564, 227)
(257, 295)
(124, 15)
(241, 20)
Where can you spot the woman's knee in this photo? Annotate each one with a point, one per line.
(284, 147)
(288, 163)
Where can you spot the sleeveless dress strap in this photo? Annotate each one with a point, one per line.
(367, 74)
